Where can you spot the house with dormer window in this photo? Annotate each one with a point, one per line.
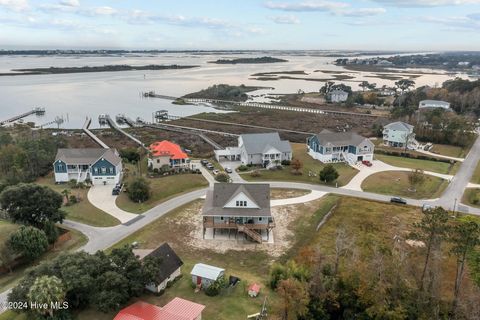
(101, 166)
(347, 147)
(235, 209)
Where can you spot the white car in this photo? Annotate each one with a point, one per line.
(215, 172)
(228, 170)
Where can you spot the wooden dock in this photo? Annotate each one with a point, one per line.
(114, 126)
(85, 129)
(36, 111)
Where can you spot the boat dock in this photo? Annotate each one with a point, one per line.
(85, 129)
(106, 119)
(36, 111)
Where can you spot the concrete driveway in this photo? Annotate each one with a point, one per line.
(101, 197)
(233, 165)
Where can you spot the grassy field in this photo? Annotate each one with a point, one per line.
(470, 196)
(427, 165)
(396, 183)
(77, 240)
(280, 193)
(162, 189)
(476, 174)
(448, 150)
(309, 164)
(83, 211)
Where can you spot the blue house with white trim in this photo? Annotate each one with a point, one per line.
(101, 166)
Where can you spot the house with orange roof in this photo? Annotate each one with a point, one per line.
(177, 309)
(167, 153)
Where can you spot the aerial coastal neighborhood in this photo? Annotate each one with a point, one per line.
(182, 161)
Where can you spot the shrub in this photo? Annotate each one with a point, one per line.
(286, 162)
(243, 168)
(328, 174)
(255, 174)
(29, 242)
(139, 190)
(72, 199)
(222, 177)
(215, 288)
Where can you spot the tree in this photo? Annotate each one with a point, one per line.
(7, 256)
(111, 291)
(343, 244)
(294, 298)
(130, 155)
(465, 237)
(364, 85)
(32, 204)
(327, 87)
(431, 230)
(328, 174)
(416, 177)
(29, 242)
(404, 84)
(49, 291)
(296, 166)
(222, 177)
(138, 190)
(66, 193)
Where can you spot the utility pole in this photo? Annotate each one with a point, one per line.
(454, 207)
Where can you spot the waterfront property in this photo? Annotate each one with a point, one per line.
(170, 266)
(100, 166)
(337, 96)
(203, 275)
(347, 147)
(177, 309)
(264, 149)
(166, 153)
(237, 208)
(434, 104)
(398, 134)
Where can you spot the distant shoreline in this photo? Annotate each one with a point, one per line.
(248, 60)
(86, 69)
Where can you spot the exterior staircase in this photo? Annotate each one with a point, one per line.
(251, 233)
(347, 160)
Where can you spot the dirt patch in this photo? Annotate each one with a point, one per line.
(277, 193)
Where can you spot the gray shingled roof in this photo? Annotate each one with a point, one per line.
(339, 138)
(170, 261)
(399, 125)
(87, 156)
(222, 193)
(256, 143)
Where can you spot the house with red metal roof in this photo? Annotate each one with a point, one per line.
(166, 153)
(177, 309)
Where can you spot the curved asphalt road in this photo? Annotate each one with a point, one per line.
(103, 238)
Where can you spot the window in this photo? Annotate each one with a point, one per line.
(104, 170)
(221, 218)
(95, 170)
(260, 219)
(111, 170)
(241, 203)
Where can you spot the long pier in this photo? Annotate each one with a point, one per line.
(170, 117)
(37, 111)
(114, 126)
(85, 129)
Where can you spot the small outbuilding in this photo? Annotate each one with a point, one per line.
(434, 104)
(254, 290)
(203, 275)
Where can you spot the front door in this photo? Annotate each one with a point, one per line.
(199, 280)
(360, 158)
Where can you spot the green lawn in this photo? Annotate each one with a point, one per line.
(396, 183)
(448, 150)
(163, 188)
(10, 279)
(10, 315)
(309, 165)
(427, 165)
(471, 196)
(476, 174)
(82, 211)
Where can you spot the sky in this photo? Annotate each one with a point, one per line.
(406, 25)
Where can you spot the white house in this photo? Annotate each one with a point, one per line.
(170, 266)
(397, 134)
(101, 166)
(434, 104)
(347, 147)
(264, 149)
(337, 96)
(203, 275)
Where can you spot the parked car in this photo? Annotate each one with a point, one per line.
(116, 191)
(204, 162)
(398, 200)
(367, 163)
(427, 207)
(215, 172)
(228, 170)
(210, 166)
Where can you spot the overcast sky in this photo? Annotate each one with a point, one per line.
(245, 24)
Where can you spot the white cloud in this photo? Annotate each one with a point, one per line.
(70, 3)
(427, 3)
(456, 23)
(287, 19)
(15, 5)
(105, 11)
(337, 8)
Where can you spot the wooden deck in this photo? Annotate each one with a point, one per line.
(231, 224)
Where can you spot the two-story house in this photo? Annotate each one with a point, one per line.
(398, 134)
(166, 153)
(347, 147)
(237, 208)
(264, 149)
(337, 96)
(100, 166)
